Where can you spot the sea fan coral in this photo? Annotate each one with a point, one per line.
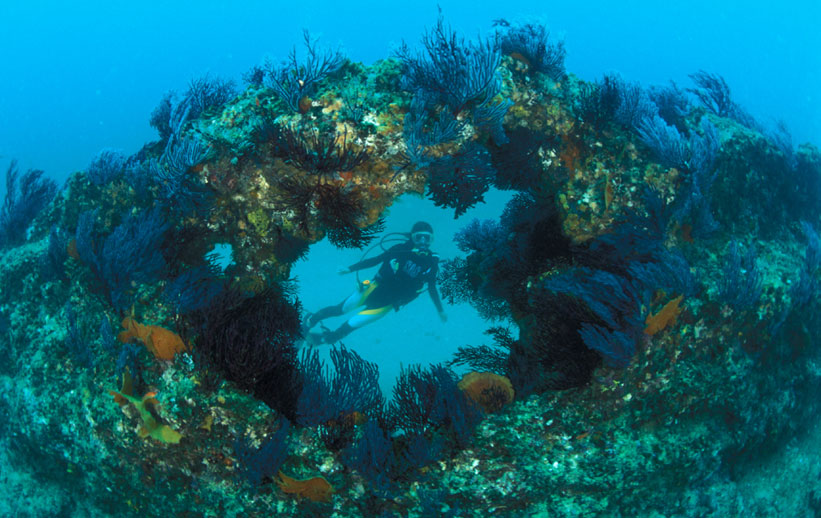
(293, 81)
(529, 43)
(250, 341)
(24, 200)
(130, 254)
(451, 71)
(429, 398)
(263, 462)
(460, 180)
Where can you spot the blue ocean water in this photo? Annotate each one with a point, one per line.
(414, 334)
(84, 76)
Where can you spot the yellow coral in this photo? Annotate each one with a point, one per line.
(149, 410)
(260, 221)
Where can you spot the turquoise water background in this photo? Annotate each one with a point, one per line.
(81, 76)
(414, 334)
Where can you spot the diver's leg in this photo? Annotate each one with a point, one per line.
(322, 314)
(334, 311)
(362, 318)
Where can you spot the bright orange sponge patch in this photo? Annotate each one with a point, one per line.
(488, 390)
(666, 316)
(316, 489)
(161, 342)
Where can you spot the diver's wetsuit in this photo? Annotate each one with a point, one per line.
(402, 277)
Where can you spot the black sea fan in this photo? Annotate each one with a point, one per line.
(250, 341)
(598, 101)
(460, 180)
(289, 248)
(425, 399)
(296, 196)
(518, 163)
(322, 152)
(341, 212)
(294, 80)
(26, 196)
(449, 70)
(529, 44)
(130, 254)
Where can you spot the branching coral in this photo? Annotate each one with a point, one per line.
(203, 94)
(598, 101)
(130, 254)
(451, 71)
(487, 358)
(341, 212)
(460, 180)
(332, 400)
(741, 282)
(194, 288)
(713, 92)
(250, 341)
(530, 44)
(181, 191)
(425, 399)
(373, 457)
(338, 210)
(77, 343)
(106, 166)
(208, 93)
(421, 131)
(518, 163)
(23, 201)
(316, 151)
(293, 81)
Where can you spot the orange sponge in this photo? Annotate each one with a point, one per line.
(488, 390)
(161, 342)
(316, 489)
(666, 316)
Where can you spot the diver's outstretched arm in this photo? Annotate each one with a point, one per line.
(434, 296)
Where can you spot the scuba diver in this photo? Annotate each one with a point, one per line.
(406, 268)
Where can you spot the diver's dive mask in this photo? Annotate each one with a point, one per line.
(422, 239)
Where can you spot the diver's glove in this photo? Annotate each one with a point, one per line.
(342, 270)
(443, 316)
